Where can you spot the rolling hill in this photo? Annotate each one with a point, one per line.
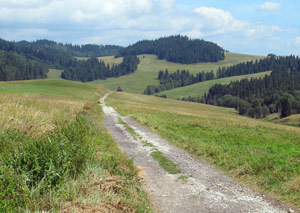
(150, 66)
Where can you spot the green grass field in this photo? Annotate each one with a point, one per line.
(150, 66)
(54, 74)
(261, 154)
(203, 87)
(39, 116)
(70, 89)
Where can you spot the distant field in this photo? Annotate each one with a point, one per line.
(70, 89)
(293, 120)
(261, 154)
(150, 66)
(54, 74)
(203, 87)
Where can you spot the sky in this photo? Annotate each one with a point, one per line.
(248, 26)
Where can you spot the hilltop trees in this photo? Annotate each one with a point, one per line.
(87, 50)
(178, 49)
(23, 60)
(93, 69)
(13, 67)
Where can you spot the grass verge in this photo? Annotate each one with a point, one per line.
(54, 160)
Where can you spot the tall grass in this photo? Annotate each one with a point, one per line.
(54, 159)
(41, 164)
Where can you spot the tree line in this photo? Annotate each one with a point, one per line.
(277, 93)
(86, 50)
(50, 56)
(184, 78)
(93, 69)
(178, 49)
(177, 79)
(14, 67)
(47, 53)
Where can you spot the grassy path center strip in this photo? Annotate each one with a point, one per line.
(163, 161)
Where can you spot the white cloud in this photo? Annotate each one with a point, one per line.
(297, 40)
(126, 21)
(270, 6)
(24, 34)
(218, 21)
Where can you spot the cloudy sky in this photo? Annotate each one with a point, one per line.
(254, 27)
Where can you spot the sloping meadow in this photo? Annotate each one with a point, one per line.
(56, 155)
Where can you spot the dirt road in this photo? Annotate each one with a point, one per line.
(199, 188)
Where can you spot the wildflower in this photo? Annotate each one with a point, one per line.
(3, 186)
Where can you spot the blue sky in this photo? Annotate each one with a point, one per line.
(253, 27)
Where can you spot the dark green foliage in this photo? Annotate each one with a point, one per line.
(93, 69)
(60, 56)
(178, 79)
(14, 67)
(87, 50)
(41, 163)
(50, 56)
(278, 92)
(178, 49)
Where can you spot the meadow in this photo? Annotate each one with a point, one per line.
(56, 87)
(260, 154)
(150, 65)
(57, 155)
(200, 89)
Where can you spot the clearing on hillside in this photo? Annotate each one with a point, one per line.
(150, 66)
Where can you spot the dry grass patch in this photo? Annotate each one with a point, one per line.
(35, 114)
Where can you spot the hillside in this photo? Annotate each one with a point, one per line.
(261, 154)
(178, 49)
(59, 123)
(150, 66)
(200, 89)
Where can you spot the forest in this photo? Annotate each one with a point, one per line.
(86, 50)
(277, 93)
(14, 67)
(178, 79)
(178, 49)
(18, 57)
(93, 69)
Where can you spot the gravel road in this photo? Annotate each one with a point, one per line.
(199, 188)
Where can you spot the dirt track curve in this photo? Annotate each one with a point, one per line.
(200, 187)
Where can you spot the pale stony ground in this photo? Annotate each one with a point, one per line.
(200, 187)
